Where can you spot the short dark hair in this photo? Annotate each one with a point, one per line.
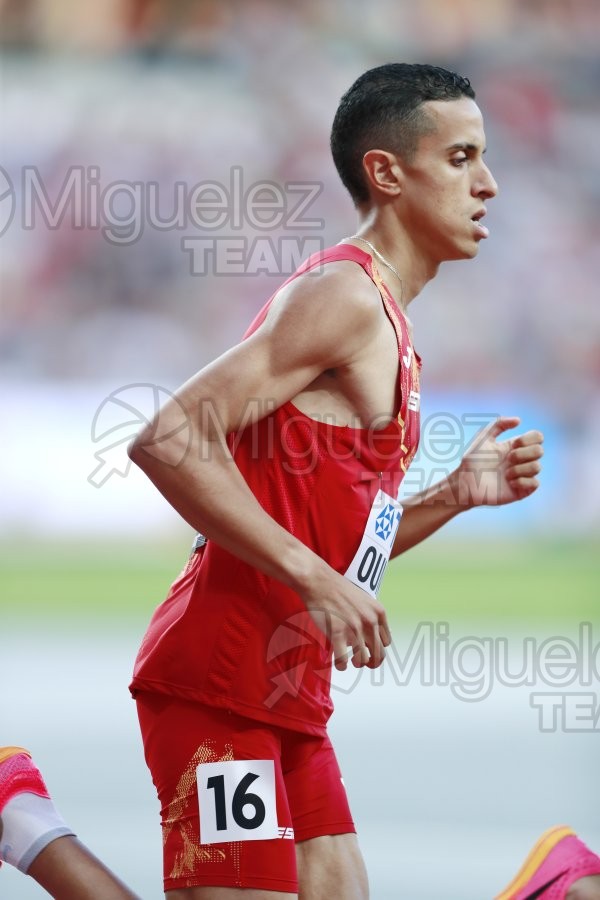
(382, 111)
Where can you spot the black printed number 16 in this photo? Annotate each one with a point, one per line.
(240, 800)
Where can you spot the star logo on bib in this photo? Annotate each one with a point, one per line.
(385, 522)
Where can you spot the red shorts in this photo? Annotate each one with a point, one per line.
(309, 798)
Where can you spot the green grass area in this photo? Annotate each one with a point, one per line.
(467, 580)
(53, 581)
(527, 581)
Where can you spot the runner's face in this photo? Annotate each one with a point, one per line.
(447, 182)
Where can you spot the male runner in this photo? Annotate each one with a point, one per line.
(300, 437)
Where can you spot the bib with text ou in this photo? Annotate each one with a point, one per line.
(370, 562)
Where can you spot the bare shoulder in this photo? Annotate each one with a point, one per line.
(339, 303)
(317, 323)
(338, 285)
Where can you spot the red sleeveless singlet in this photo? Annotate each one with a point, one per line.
(229, 636)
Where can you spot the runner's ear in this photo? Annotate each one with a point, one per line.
(383, 173)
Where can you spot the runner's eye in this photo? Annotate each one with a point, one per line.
(458, 160)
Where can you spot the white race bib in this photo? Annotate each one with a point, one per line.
(371, 559)
(237, 801)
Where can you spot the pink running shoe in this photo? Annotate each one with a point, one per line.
(557, 860)
(18, 775)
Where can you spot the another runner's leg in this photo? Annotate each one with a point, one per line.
(36, 840)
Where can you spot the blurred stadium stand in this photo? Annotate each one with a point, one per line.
(184, 90)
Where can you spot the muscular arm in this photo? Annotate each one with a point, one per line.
(318, 323)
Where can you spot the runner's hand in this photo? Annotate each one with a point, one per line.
(350, 618)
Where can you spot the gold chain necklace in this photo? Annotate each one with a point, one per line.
(374, 250)
(381, 258)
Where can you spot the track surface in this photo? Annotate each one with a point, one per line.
(448, 796)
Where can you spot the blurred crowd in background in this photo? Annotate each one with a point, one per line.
(166, 91)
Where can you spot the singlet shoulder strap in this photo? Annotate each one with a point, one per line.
(337, 253)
